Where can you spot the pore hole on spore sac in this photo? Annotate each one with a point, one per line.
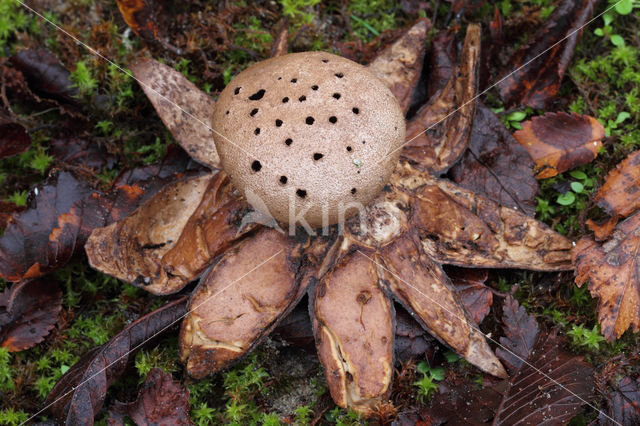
(353, 191)
(339, 75)
(336, 95)
(253, 112)
(356, 111)
(278, 122)
(310, 120)
(333, 119)
(285, 100)
(283, 180)
(256, 131)
(317, 156)
(288, 142)
(256, 166)
(258, 95)
(301, 193)
(302, 98)
(237, 90)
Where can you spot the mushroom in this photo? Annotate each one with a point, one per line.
(313, 135)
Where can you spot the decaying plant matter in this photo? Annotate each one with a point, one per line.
(395, 251)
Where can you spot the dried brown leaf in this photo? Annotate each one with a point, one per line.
(82, 152)
(140, 16)
(521, 332)
(28, 312)
(161, 401)
(623, 402)
(442, 59)
(14, 139)
(611, 268)
(619, 193)
(439, 132)
(184, 109)
(474, 295)
(46, 75)
(495, 165)
(558, 142)
(80, 393)
(532, 78)
(412, 341)
(400, 64)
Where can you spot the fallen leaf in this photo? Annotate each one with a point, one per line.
(7, 209)
(400, 64)
(521, 332)
(78, 396)
(28, 312)
(623, 402)
(162, 401)
(619, 193)
(558, 142)
(496, 166)
(601, 231)
(295, 328)
(140, 16)
(549, 388)
(473, 293)
(611, 268)
(184, 109)
(64, 210)
(439, 132)
(532, 76)
(81, 152)
(46, 75)
(412, 341)
(14, 139)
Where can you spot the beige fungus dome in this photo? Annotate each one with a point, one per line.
(309, 130)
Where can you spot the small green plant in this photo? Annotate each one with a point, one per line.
(19, 198)
(203, 415)
(297, 10)
(427, 385)
(581, 185)
(369, 18)
(11, 417)
(341, 417)
(584, 337)
(513, 119)
(164, 357)
(622, 7)
(41, 161)
(12, 19)
(6, 376)
(303, 414)
(82, 78)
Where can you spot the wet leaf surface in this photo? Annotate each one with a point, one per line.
(64, 210)
(536, 84)
(439, 132)
(442, 59)
(82, 152)
(412, 341)
(46, 75)
(161, 401)
(549, 388)
(521, 332)
(623, 402)
(558, 142)
(473, 293)
(7, 209)
(28, 312)
(400, 64)
(611, 268)
(80, 393)
(140, 16)
(496, 166)
(14, 139)
(619, 193)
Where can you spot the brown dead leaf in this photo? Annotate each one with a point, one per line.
(184, 109)
(82, 152)
(412, 341)
(46, 75)
(612, 270)
(400, 64)
(601, 231)
(474, 295)
(28, 312)
(548, 389)
(14, 139)
(532, 78)
(439, 132)
(619, 193)
(281, 43)
(79, 394)
(441, 61)
(496, 166)
(162, 401)
(64, 210)
(521, 332)
(623, 402)
(140, 16)
(8, 209)
(558, 142)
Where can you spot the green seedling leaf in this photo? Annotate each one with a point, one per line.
(617, 40)
(577, 174)
(577, 187)
(622, 117)
(517, 116)
(566, 199)
(624, 7)
(598, 32)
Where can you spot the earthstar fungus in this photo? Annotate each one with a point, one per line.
(252, 276)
